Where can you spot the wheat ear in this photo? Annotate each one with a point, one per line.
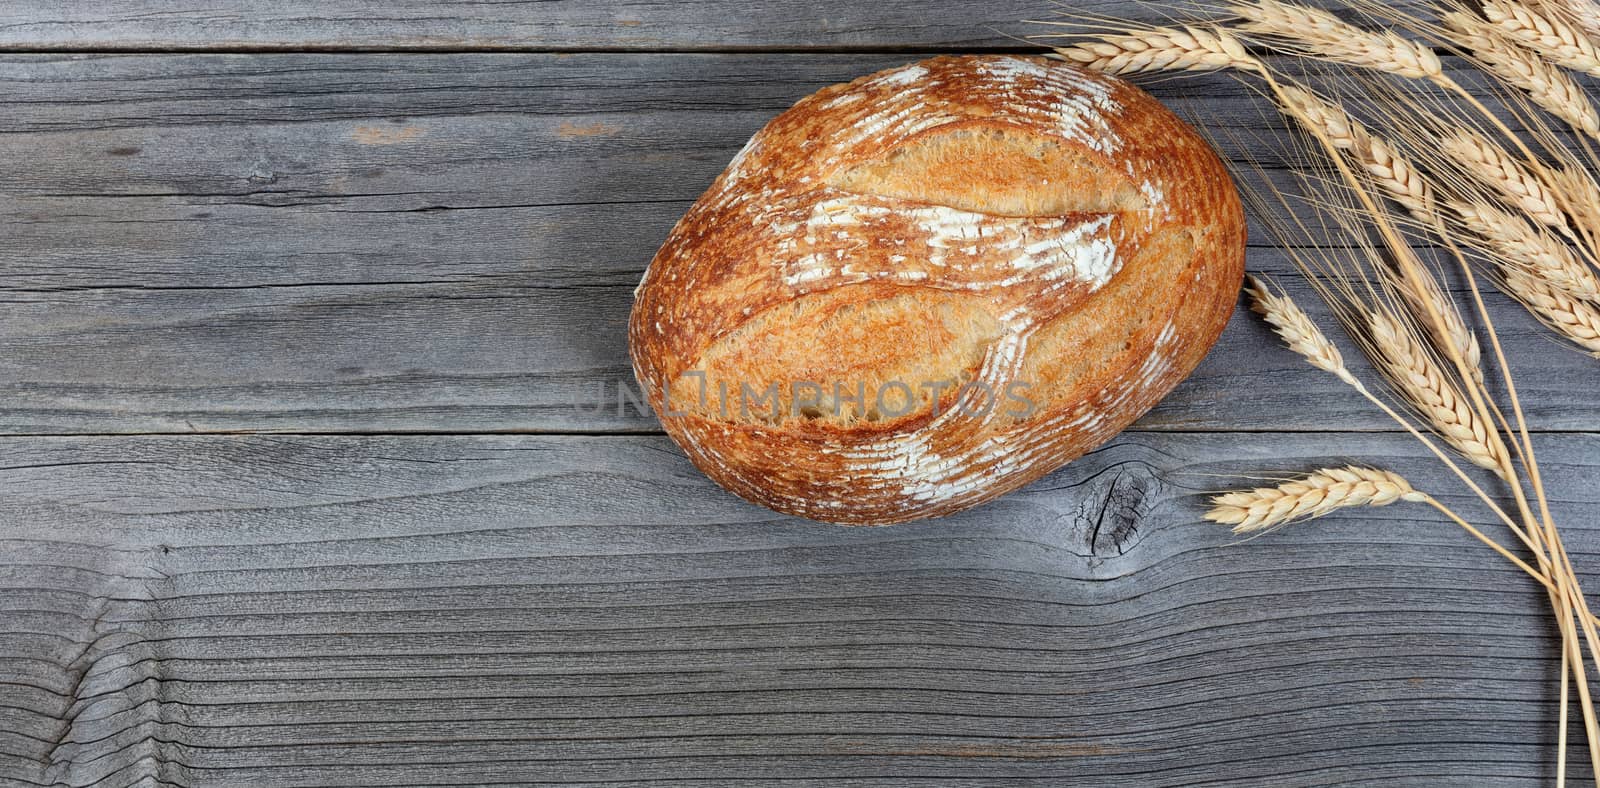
(1579, 197)
(1404, 184)
(1552, 38)
(1406, 364)
(1297, 330)
(1318, 33)
(1526, 247)
(1305, 338)
(1583, 14)
(1183, 48)
(1574, 319)
(1492, 166)
(1392, 172)
(1314, 495)
(1545, 84)
(1418, 293)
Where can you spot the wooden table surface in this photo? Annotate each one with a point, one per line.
(299, 299)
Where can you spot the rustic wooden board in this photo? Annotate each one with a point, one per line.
(326, 610)
(361, 243)
(514, 355)
(521, 25)
(388, 242)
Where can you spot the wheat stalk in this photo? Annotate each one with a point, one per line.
(1492, 166)
(1574, 319)
(1329, 489)
(1545, 84)
(1524, 246)
(1552, 38)
(1303, 337)
(1182, 48)
(1392, 172)
(1316, 32)
(1414, 374)
(1297, 329)
(1314, 495)
(1404, 184)
(1537, 267)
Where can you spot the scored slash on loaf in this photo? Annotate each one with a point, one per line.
(914, 292)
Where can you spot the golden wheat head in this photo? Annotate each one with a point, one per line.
(1313, 495)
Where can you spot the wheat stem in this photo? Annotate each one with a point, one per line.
(1557, 562)
(1525, 185)
(1542, 577)
(1404, 184)
(1576, 603)
(1562, 722)
(1411, 268)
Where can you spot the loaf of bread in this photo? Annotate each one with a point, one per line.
(920, 290)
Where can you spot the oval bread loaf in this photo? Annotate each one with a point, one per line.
(917, 291)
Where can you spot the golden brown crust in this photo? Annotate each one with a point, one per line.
(1090, 243)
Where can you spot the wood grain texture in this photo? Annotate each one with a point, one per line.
(522, 610)
(360, 243)
(530, 24)
(332, 242)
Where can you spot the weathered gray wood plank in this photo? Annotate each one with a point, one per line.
(562, 610)
(437, 243)
(528, 24)
(510, 355)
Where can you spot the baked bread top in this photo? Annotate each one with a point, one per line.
(947, 279)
